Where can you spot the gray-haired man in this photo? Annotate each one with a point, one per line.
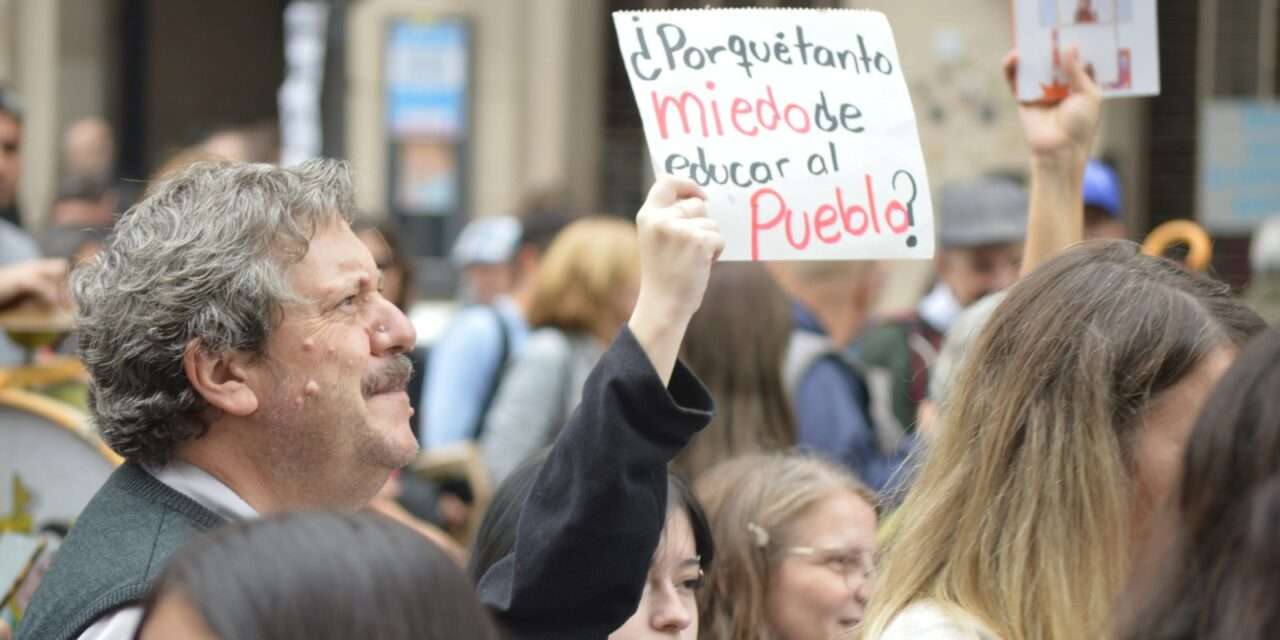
(244, 362)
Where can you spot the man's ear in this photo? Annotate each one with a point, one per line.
(220, 378)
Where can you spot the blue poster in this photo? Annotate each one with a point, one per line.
(426, 79)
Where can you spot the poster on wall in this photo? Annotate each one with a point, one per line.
(1239, 184)
(798, 123)
(427, 105)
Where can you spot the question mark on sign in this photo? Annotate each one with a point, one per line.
(911, 202)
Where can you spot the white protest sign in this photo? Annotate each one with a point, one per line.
(797, 123)
(1116, 37)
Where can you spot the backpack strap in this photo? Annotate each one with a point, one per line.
(804, 351)
(504, 356)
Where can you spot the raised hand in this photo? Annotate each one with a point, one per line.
(1060, 136)
(1066, 128)
(41, 281)
(678, 244)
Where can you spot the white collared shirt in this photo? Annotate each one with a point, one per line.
(210, 493)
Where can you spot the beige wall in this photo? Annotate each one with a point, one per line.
(535, 105)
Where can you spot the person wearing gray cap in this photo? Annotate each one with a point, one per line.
(981, 226)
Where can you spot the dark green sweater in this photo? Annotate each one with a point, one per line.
(118, 546)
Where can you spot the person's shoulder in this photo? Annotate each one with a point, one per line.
(929, 620)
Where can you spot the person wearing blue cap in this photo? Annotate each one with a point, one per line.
(1103, 198)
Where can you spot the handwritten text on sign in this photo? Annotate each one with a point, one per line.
(797, 122)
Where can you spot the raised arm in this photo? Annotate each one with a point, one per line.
(595, 513)
(678, 244)
(1060, 136)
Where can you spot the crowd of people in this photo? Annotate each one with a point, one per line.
(1066, 438)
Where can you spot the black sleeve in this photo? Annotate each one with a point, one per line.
(595, 513)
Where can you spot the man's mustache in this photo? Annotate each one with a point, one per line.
(393, 377)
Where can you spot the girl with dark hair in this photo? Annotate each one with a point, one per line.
(668, 606)
(1224, 571)
(314, 575)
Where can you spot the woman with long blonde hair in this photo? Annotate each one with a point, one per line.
(795, 539)
(1062, 435)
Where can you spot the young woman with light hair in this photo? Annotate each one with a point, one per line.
(1062, 435)
(795, 540)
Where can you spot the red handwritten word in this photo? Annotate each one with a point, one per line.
(831, 221)
(701, 115)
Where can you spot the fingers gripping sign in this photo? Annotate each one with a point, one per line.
(678, 244)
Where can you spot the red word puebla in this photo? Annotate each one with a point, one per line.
(831, 222)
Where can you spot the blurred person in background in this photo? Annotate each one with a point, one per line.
(483, 254)
(1263, 293)
(981, 226)
(89, 153)
(89, 150)
(10, 168)
(83, 202)
(586, 289)
(314, 576)
(1219, 573)
(795, 537)
(740, 356)
(841, 406)
(16, 246)
(475, 350)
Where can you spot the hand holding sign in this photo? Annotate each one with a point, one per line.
(797, 123)
(678, 244)
(1068, 126)
(1117, 38)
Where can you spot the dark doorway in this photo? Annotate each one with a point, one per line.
(189, 67)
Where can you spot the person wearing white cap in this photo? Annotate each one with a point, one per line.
(483, 252)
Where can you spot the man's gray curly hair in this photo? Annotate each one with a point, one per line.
(201, 261)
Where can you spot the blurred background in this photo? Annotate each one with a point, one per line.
(456, 109)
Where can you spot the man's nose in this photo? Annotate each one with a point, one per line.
(391, 331)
